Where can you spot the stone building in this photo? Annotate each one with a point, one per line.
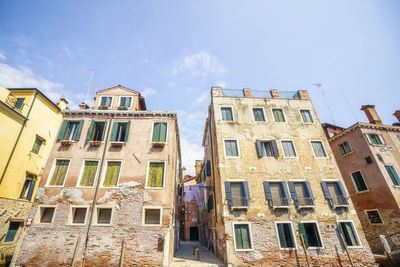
(189, 210)
(25, 144)
(107, 196)
(368, 155)
(277, 193)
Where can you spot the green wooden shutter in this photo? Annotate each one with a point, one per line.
(63, 130)
(128, 125)
(79, 130)
(114, 131)
(245, 236)
(302, 231)
(392, 174)
(112, 173)
(122, 102)
(163, 132)
(228, 193)
(238, 237)
(91, 130)
(281, 234)
(259, 149)
(12, 231)
(275, 150)
(156, 132)
(30, 190)
(104, 130)
(156, 174)
(103, 101)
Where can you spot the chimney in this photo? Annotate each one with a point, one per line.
(397, 115)
(83, 105)
(304, 95)
(371, 113)
(246, 92)
(216, 91)
(62, 104)
(274, 93)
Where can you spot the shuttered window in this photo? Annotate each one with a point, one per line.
(258, 114)
(237, 194)
(159, 132)
(348, 233)
(310, 234)
(97, 130)
(28, 187)
(112, 173)
(231, 149)
(37, 145)
(12, 231)
(394, 176)
(60, 171)
(288, 149)
(335, 194)
(242, 236)
(285, 234)
(318, 148)
(70, 130)
(359, 182)
(89, 173)
(301, 193)
(120, 131)
(106, 101)
(306, 116)
(375, 139)
(226, 114)
(278, 115)
(156, 174)
(267, 148)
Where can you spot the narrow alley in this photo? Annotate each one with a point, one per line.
(185, 257)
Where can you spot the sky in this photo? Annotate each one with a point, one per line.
(174, 51)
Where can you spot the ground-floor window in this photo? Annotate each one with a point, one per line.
(242, 236)
(349, 233)
(12, 231)
(285, 234)
(310, 234)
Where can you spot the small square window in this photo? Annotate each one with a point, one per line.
(12, 232)
(36, 146)
(306, 116)
(288, 149)
(104, 215)
(258, 114)
(78, 215)
(112, 173)
(278, 115)
(359, 181)
(46, 214)
(348, 233)
(374, 217)
(242, 236)
(152, 216)
(344, 148)
(231, 148)
(285, 235)
(318, 148)
(226, 114)
(106, 101)
(310, 234)
(375, 139)
(394, 176)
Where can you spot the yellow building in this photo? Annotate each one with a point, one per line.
(29, 123)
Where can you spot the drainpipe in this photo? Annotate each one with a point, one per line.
(97, 189)
(19, 136)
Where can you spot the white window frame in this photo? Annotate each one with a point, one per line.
(387, 175)
(237, 145)
(104, 129)
(103, 176)
(366, 134)
(323, 146)
(283, 151)
(303, 181)
(354, 183)
(319, 233)
(237, 181)
(312, 116)
(355, 231)
(283, 112)
(293, 235)
(81, 173)
(234, 236)
(287, 189)
(38, 215)
(152, 130)
(263, 111)
(151, 208)
(366, 214)
(96, 215)
(71, 215)
(233, 116)
(351, 149)
(119, 100)
(73, 140)
(148, 171)
(112, 100)
(53, 169)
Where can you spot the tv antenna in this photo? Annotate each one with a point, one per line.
(89, 83)
(319, 85)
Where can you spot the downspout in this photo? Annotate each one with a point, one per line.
(19, 136)
(97, 189)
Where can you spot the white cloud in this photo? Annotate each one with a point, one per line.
(2, 56)
(149, 91)
(190, 153)
(201, 64)
(222, 84)
(202, 98)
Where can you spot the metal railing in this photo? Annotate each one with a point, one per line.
(305, 201)
(12, 101)
(232, 92)
(339, 201)
(393, 241)
(240, 202)
(280, 202)
(260, 93)
(289, 94)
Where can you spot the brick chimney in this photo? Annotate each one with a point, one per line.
(274, 93)
(371, 113)
(397, 115)
(216, 91)
(83, 105)
(246, 92)
(62, 104)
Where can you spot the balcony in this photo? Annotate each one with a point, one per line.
(240, 203)
(15, 102)
(280, 203)
(339, 202)
(305, 202)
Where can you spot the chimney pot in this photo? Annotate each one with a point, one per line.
(371, 114)
(246, 92)
(397, 115)
(83, 105)
(274, 93)
(62, 104)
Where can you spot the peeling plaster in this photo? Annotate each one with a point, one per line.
(72, 195)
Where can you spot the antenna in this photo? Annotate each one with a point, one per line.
(319, 85)
(89, 83)
(347, 101)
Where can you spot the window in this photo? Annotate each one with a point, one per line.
(334, 193)
(374, 217)
(318, 148)
(106, 101)
(231, 148)
(89, 173)
(237, 194)
(306, 116)
(37, 145)
(70, 130)
(285, 234)
(276, 193)
(344, 148)
(152, 216)
(28, 187)
(78, 215)
(398, 137)
(120, 131)
(393, 175)
(59, 172)
(97, 130)
(104, 215)
(112, 173)
(226, 114)
(156, 174)
(159, 132)
(46, 214)
(301, 193)
(375, 139)
(12, 231)
(242, 236)
(288, 149)
(258, 114)
(125, 102)
(19, 102)
(310, 234)
(359, 182)
(278, 115)
(348, 233)
(267, 148)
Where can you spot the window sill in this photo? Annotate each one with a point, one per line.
(117, 143)
(150, 225)
(95, 143)
(315, 248)
(67, 142)
(160, 144)
(287, 249)
(105, 225)
(306, 207)
(244, 250)
(340, 206)
(361, 192)
(351, 152)
(154, 188)
(280, 207)
(239, 208)
(76, 224)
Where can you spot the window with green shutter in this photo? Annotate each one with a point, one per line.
(348, 233)
(120, 131)
(231, 148)
(59, 173)
(306, 116)
(28, 187)
(288, 149)
(394, 176)
(258, 114)
(318, 148)
(156, 174)
(242, 236)
(359, 182)
(375, 139)
(112, 173)
(97, 130)
(70, 130)
(278, 115)
(226, 114)
(37, 145)
(89, 173)
(159, 132)
(285, 234)
(310, 234)
(12, 232)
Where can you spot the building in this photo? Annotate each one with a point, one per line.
(190, 209)
(368, 155)
(107, 196)
(25, 144)
(277, 194)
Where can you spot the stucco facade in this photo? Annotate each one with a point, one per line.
(239, 123)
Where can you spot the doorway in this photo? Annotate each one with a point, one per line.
(194, 233)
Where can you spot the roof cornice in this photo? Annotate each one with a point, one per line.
(146, 113)
(364, 125)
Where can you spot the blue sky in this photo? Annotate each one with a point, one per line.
(174, 51)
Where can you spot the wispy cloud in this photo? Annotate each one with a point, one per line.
(222, 84)
(149, 92)
(2, 56)
(202, 98)
(201, 63)
(190, 153)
